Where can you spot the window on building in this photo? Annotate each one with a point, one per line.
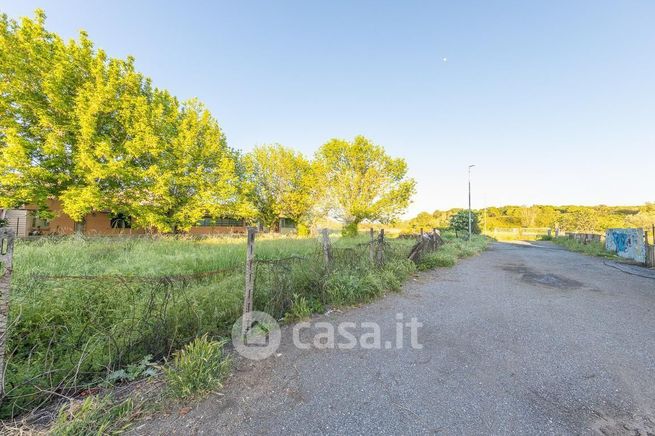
(220, 222)
(287, 223)
(39, 223)
(205, 222)
(229, 222)
(121, 221)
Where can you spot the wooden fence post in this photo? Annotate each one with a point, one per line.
(380, 248)
(371, 245)
(327, 250)
(7, 237)
(246, 320)
(435, 244)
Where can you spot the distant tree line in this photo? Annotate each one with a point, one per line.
(571, 218)
(91, 131)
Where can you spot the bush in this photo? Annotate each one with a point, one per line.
(198, 368)
(350, 230)
(436, 259)
(300, 309)
(459, 222)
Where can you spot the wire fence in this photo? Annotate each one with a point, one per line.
(67, 333)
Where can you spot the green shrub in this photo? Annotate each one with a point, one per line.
(300, 309)
(435, 259)
(350, 230)
(198, 368)
(341, 289)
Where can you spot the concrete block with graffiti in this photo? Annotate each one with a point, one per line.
(628, 243)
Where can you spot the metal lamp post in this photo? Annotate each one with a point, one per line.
(470, 218)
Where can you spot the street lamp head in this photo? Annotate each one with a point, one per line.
(471, 166)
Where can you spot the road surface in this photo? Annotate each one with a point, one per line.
(523, 339)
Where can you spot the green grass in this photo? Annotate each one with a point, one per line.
(68, 334)
(95, 415)
(453, 249)
(198, 368)
(591, 248)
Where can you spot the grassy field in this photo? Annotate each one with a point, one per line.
(592, 248)
(84, 310)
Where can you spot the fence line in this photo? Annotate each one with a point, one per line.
(585, 238)
(140, 279)
(7, 237)
(117, 319)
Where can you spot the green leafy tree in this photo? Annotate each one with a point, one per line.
(93, 132)
(460, 222)
(548, 216)
(283, 184)
(362, 182)
(168, 165)
(40, 77)
(580, 219)
(423, 220)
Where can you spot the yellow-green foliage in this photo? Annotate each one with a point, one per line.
(198, 368)
(283, 184)
(570, 218)
(93, 132)
(362, 182)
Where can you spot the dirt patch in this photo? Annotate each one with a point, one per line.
(626, 425)
(533, 277)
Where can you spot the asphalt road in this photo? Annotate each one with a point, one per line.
(523, 339)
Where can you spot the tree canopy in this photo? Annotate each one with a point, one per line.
(459, 222)
(93, 132)
(571, 218)
(362, 182)
(283, 184)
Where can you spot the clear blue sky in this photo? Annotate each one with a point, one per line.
(553, 100)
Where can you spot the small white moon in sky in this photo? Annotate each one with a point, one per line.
(444, 59)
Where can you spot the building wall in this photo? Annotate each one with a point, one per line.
(19, 220)
(61, 224)
(216, 230)
(95, 224)
(287, 226)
